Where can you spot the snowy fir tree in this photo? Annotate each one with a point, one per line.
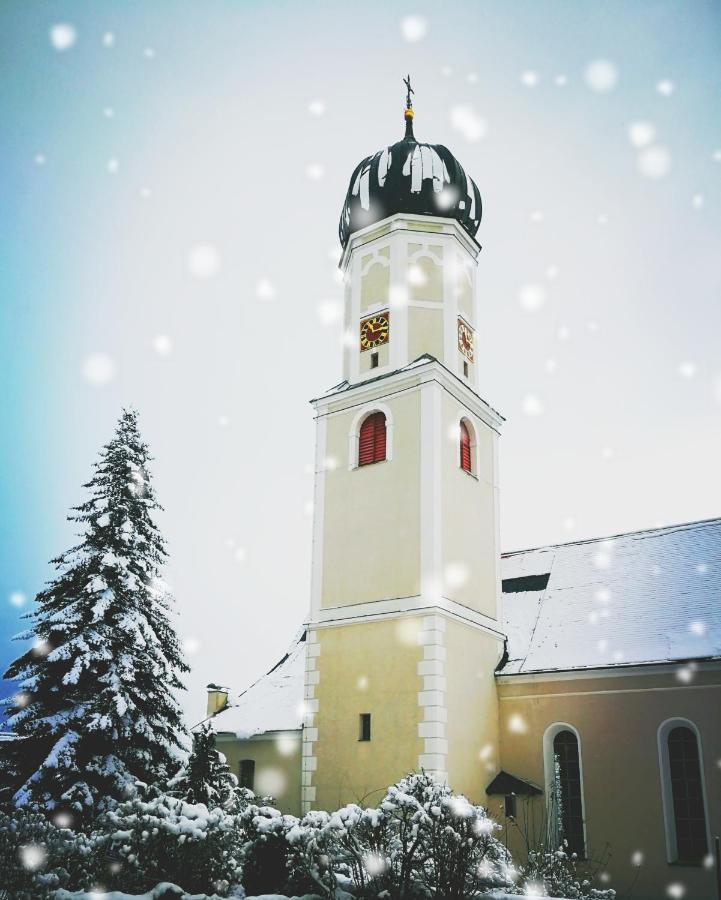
(95, 709)
(206, 777)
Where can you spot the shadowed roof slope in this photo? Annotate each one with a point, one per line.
(633, 599)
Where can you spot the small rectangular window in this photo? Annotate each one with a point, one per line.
(465, 369)
(374, 360)
(247, 773)
(365, 727)
(509, 806)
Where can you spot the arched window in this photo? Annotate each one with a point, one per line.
(466, 462)
(565, 750)
(372, 439)
(684, 805)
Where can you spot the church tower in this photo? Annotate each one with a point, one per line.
(405, 628)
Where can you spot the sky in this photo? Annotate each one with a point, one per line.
(171, 176)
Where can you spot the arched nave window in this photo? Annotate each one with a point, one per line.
(683, 791)
(564, 776)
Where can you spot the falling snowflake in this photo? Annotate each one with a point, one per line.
(552, 272)
(465, 120)
(551, 365)
(687, 369)
(529, 78)
(98, 369)
(144, 192)
(32, 856)
(112, 166)
(697, 627)
(531, 297)
(223, 421)
(149, 53)
(536, 216)
(665, 87)
(40, 159)
(108, 112)
(654, 162)
(532, 406)
(362, 683)
(264, 289)
(162, 345)
(191, 646)
(560, 80)
(472, 77)
(314, 171)
(641, 134)
(316, 107)
(416, 276)
(698, 201)
(203, 261)
(17, 598)
(63, 820)
(446, 71)
(414, 28)
(108, 39)
(676, 890)
(329, 312)
(63, 36)
(569, 523)
(517, 724)
(601, 75)
(702, 568)
(456, 574)
(240, 554)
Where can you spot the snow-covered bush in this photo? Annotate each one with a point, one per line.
(556, 874)
(206, 777)
(440, 844)
(154, 838)
(37, 856)
(266, 851)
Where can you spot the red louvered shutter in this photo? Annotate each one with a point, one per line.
(465, 448)
(379, 447)
(372, 440)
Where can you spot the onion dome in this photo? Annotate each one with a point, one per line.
(409, 177)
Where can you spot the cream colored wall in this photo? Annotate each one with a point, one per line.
(277, 765)
(470, 551)
(618, 719)
(383, 357)
(472, 706)
(371, 528)
(425, 332)
(366, 668)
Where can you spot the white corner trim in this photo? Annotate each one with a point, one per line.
(309, 759)
(432, 709)
(669, 815)
(354, 433)
(316, 590)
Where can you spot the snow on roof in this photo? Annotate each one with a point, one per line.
(639, 598)
(273, 703)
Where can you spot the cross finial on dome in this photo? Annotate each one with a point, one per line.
(408, 114)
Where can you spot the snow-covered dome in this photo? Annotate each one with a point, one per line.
(409, 177)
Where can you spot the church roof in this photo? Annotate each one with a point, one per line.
(633, 599)
(273, 703)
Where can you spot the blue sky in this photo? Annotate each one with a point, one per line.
(170, 184)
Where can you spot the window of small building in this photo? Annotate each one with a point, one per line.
(374, 360)
(365, 727)
(565, 748)
(372, 440)
(687, 791)
(509, 806)
(247, 773)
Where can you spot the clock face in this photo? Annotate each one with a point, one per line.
(374, 331)
(465, 340)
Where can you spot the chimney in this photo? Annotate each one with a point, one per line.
(217, 699)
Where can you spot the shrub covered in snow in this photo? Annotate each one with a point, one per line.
(556, 874)
(37, 856)
(206, 777)
(156, 838)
